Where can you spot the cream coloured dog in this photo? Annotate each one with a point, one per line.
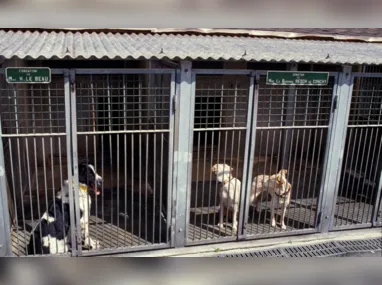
(278, 187)
(229, 192)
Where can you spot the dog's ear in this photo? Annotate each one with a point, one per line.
(213, 169)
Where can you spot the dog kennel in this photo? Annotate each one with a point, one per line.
(153, 130)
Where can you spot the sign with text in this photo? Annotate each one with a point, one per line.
(297, 78)
(28, 75)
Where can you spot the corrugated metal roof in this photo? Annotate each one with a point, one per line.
(101, 45)
(372, 35)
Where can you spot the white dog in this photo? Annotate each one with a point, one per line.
(278, 187)
(230, 192)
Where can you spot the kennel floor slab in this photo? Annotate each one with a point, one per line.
(108, 235)
(301, 215)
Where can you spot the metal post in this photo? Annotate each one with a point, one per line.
(183, 153)
(5, 234)
(378, 200)
(69, 160)
(253, 98)
(288, 121)
(336, 147)
(73, 114)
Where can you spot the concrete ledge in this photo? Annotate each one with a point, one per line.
(243, 246)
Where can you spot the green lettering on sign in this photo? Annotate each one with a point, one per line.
(297, 78)
(28, 75)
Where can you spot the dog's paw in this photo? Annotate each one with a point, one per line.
(273, 224)
(94, 244)
(91, 244)
(221, 226)
(283, 226)
(234, 229)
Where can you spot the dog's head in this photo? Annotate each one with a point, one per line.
(281, 176)
(88, 176)
(283, 186)
(223, 172)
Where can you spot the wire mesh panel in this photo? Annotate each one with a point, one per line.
(220, 129)
(124, 129)
(35, 138)
(289, 154)
(359, 188)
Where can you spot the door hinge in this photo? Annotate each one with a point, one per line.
(335, 103)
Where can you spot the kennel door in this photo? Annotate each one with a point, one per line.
(35, 121)
(124, 125)
(360, 179)
(221, 122)
(291, 130)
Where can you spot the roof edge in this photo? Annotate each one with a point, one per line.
(219, 31)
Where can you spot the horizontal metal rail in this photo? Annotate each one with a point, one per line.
(123, 132)
(91, 71)
(29, 135)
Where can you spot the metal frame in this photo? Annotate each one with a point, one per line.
(170, 131)
(181, 124)
(190, 119)
(336, 145)
(5, 233)
(66, 87)
(346, 126)
(330, 127)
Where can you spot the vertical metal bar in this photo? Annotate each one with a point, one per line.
(224, 162)
(379, 189)
(132, 189)
(14, 192)
(197, 187)
(337, 137)
(184, 150)
(327, 154)
(61, 179)
(75, 180)
(364, 139)
(146, 174)
(288, 119)
(366, 171)
(355, 171)
(94, 123)
(68, 85)
(154, 161)
(161, 186)
(110, 124)
(30, 188)
(5, 227)
(171, 166)
(204, 182)
(249, 153)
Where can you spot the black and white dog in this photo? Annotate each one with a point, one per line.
(52, 233)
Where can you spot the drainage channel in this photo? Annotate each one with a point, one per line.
(326, 249)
